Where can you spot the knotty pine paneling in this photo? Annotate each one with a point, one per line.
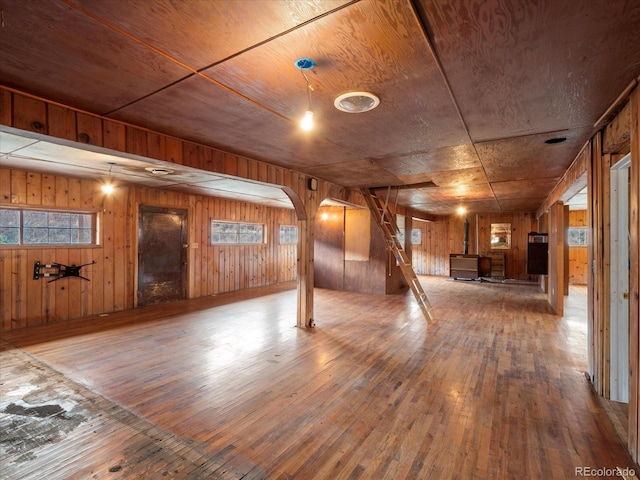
(578, 256)
(446, 236)
(212, 269)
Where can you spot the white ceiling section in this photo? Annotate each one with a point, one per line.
(34, 154)
(578, 201)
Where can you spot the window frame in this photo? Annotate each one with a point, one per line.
(416, 236)
(577, 237)
(238, 233)
(21, 209)
(292, 227)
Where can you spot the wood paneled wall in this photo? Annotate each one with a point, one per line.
(74, 127)
(446, 235)
(578, 256)
(329, 248)
(378, 275)
(212, 269)
(573, 180)
(620, 135)
(431, 257)
(599, 276)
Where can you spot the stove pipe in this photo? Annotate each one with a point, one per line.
(466, 236)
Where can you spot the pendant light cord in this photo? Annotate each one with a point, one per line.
(309, 88)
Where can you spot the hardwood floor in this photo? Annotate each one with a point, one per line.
(494, 389)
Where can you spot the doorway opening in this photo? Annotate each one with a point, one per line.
(619, 285)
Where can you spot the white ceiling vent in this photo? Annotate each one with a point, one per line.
(356, 102)
(159, 170)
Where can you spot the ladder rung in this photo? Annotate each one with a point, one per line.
(383, 215)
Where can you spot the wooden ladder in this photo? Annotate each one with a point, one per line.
(386, 220)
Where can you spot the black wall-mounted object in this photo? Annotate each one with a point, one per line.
(538, 253)
(58, 271)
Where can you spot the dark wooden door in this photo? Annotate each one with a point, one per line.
(162, 255)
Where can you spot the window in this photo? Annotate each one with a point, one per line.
(46, 227)
(577, 237)
(416, 236)
(236, 233)
(288, 234)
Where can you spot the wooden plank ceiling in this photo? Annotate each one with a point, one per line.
(470, 90)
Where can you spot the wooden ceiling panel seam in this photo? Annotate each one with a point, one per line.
(123, 32)
(430, 45)
(550, 133)
(199, 71)
(171, 58)
(281, 34)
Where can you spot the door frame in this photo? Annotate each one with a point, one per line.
(619, 284)
(184, 250)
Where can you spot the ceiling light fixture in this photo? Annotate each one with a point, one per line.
(553, 140)
(356, 102)
(307, 121)
(303, 64)
(108, 187)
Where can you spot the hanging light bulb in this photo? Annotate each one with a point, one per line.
(307, 121)
(303, 64)
(108, 188)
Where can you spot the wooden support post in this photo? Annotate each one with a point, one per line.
(305, 273)
(566, 275)
(598, 280)
(556, 257)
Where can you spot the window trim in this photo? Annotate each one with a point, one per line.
(95, 227)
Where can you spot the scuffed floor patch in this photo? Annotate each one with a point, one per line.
(35, 410)
(54, 428)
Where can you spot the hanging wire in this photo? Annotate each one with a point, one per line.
(309, 88)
